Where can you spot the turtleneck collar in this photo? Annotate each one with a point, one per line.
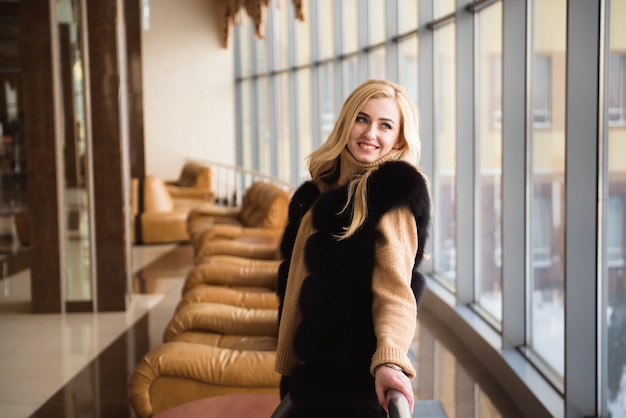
(351, 167)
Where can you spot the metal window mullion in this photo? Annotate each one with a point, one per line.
(465, 143)
(391, 30)
(581, 208)
(514, 127)
(603, 193)
(426, 106)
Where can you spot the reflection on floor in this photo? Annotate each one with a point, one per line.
(77, 365)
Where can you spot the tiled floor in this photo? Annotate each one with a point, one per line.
(77, 365)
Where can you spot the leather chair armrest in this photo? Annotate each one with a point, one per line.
(229, 296)
(238, 247)
(222, 319)
(198, 193)
(178, 372)
(227, 270)
(232, 342)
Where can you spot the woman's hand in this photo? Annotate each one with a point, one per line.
(387, 378)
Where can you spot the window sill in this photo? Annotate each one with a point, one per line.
(528, 388)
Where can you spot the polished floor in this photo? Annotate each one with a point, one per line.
(77, 364)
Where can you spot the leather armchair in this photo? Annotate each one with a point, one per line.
(179, 372)
(263, 211)
(232, 271)
(161, 218)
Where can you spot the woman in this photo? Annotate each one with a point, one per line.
(349, 286)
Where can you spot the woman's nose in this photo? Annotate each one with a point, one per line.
(370, 132)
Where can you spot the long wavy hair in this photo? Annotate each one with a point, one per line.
(324, 161)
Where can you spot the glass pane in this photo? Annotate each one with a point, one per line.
(305, 139)
(264, 140)
(445, 153)
(302, 32)
(243, 43)
(260, 50)
(377, 20)
(245, 127)
(281, 34)
(350, 75)
(546, 279)
(350, 24)
(327, 97)
(75, 148)
(325, 25)
(408, 65)
(13, 198)
(488, 121)
(614, 279)
(283, 130)
(443, 7)
(377, 63)
(408, 19)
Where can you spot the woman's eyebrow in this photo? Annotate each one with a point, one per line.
(361, 113)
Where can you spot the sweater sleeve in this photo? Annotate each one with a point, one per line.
(394, 308)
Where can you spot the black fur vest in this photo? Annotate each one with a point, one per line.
(336, 335)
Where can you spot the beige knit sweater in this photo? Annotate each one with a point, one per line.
(394, 308)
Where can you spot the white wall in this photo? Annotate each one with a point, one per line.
(188, 86)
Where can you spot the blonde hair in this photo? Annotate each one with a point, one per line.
(324, 161)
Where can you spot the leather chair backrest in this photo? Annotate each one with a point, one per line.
(194, 175)
(264, 205)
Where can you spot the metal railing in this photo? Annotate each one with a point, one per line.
(229, 182)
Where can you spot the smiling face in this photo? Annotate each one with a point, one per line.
(376, 130)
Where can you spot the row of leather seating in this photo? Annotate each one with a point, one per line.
(222, 336)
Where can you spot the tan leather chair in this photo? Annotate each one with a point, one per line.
(194, 182)
(179, 372)
(232, 271)
(162, 219)
(263, 212)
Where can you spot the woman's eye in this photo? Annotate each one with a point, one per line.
(386, 126)
(361, 119)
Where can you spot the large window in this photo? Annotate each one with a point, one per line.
(491, 83)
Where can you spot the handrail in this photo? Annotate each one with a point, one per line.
(396, 401)
(398, 404)
(229, 182)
